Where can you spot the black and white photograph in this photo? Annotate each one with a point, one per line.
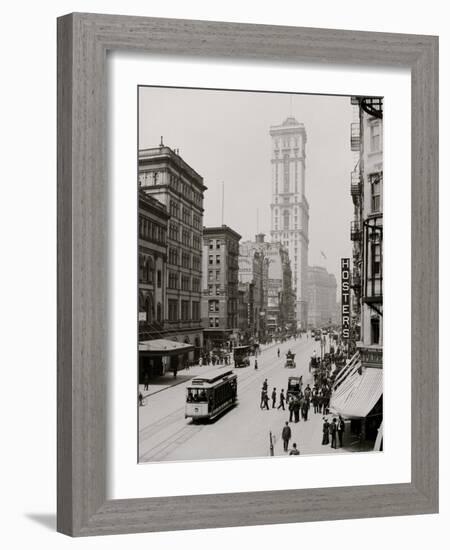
(260, 274)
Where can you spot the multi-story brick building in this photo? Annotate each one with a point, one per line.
(165, 176)
(220, 286)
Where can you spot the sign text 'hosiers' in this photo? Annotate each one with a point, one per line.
(345, 297)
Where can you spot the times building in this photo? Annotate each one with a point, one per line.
(289, 206)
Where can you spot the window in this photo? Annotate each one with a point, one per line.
(375, 190)
(159, 277)
(218, 259)
(218, 245)
(211, 259)
(210, 289)
(195, 284)
(210, 275)
(185, 310)
(375, 137)
(375, 330)
(376, 259)
(286, 220)
(185, 282)
(217, 290)
(173, 310)
(213, 306)
(286, 174)
(196, 311)
(173, 280)
(217, 275)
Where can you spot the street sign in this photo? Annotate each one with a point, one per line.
(345, 298)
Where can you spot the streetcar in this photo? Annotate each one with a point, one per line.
(209, 395)
(241, 356)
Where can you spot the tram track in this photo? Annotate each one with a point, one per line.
(164, 447)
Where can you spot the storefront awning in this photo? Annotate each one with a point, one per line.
(358, 394)
(162, 347)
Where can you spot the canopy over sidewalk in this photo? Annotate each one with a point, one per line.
(161, 347)
(358, 394)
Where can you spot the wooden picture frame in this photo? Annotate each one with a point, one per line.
(83, 42)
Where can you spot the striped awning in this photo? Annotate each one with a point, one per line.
(358, 394)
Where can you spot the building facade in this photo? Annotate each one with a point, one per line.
(253, 275)
(280, 317)
(367, 229)
(166, 177)
(152, 266)
(322, 288)
(220, 286)
(289, 206)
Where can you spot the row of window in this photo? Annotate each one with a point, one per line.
(214, 260)
(183, 310)
(187, 238)
(175, 281)
(186, 259)
(151, 231)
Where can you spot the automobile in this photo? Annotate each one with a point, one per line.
(294, 387)
(290, 360)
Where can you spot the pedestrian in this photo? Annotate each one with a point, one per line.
(278, 352)
(291, 409)
(141, 399)
(282, 398)
(286, 435)
(305, 409)
(175, 370)
(256, 364)
(294, 450)
(274, 397)
(265, 384)
(340, 430)
(263, 393)
(297, 410)
(266, 401)
(325, 431)
(333, 430)
(308, 391)
(146, 382)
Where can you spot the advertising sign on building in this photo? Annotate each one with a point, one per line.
(345, 297)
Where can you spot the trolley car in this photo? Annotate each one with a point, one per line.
(208, 396)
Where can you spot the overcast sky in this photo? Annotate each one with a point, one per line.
(224, 136)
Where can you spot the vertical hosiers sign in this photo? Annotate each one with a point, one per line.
(345, 297)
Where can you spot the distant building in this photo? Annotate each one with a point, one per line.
(280, 317)
(289, 206)
(254, 272)
(220, 286)
(321, 297)
(165, 176)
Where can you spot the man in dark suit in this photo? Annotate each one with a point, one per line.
(340, 430)
(333, 431)
(286, 435)
(325, 430)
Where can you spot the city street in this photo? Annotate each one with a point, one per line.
(164, 433)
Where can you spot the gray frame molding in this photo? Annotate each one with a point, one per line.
(83, 41)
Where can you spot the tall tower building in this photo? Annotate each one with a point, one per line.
(289, 207)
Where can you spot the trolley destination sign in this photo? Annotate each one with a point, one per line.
(345, 297)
